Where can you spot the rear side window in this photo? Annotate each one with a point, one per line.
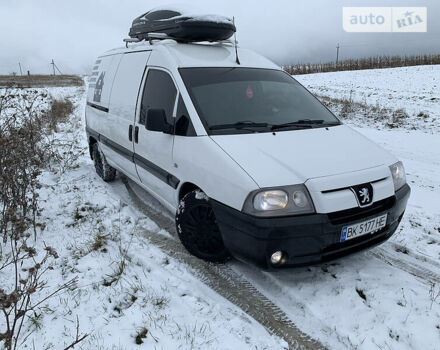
(159, 93)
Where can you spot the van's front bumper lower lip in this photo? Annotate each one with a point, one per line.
(306, 239)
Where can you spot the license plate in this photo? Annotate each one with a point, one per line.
(363, 228)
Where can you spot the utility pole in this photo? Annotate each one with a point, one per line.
(21, 72)
(53, 66)
(337, 54)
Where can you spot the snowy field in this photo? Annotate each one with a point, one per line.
(131, 291)
(415, 89)
(409, 94)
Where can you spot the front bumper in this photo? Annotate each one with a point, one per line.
(306, 239)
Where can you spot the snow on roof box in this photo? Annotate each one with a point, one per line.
(182, 26)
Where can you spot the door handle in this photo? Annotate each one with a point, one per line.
(130, 132)
(136, 134)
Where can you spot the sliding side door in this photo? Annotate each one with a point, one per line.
(122, 112)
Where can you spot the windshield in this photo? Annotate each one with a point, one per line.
(237, 100)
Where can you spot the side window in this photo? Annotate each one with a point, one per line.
(183, 124)
(159, 93)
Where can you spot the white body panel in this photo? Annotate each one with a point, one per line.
(228, 167)
(332, 193)
(106, 68)
(293, 157)
(122, 108)
(126, 86)
(202, 162)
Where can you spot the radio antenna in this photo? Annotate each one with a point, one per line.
(235, 42)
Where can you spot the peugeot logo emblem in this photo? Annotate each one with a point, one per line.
(364, 194)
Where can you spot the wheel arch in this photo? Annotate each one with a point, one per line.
(186, 188)
(92, 141)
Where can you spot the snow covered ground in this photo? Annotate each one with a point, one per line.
(128, 288)
(376, 93)
(129, 294)
(415, 88)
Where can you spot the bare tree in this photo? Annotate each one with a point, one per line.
(25, 118)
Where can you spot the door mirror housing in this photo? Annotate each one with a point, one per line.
(157, 121)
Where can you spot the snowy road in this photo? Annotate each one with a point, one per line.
(220, 277)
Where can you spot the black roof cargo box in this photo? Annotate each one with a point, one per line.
(182, 27)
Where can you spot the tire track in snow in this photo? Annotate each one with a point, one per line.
(225, 281)
(411, 266)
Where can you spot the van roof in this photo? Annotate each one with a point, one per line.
(199, 54)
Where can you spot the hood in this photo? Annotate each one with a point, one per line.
(294, 156)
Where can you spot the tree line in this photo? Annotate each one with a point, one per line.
(363, 63)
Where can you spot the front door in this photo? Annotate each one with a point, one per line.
(154, 150)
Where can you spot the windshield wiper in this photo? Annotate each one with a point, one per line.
(303, 123)
(239, 125)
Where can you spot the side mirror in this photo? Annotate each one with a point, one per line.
(157, 121)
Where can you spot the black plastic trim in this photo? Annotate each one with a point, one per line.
(152, 168)
(348, 187)
(98, 107)
(116, 147)
(156, 171)
(357, 213)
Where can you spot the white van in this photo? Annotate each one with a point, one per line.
(250, 162)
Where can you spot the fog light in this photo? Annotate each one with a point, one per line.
(276, 257)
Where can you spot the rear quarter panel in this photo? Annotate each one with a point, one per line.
(100, 87)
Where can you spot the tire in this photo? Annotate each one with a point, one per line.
(197, 228)
(105, 171)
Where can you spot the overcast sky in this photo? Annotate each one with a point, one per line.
(74, 32)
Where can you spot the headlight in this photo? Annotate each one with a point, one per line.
(280, 201)
(399, 177)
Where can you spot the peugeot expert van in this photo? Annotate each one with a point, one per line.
(251, 163)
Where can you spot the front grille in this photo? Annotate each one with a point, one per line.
(349, 215)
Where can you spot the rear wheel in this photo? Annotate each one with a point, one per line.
(197, 228)
(103, 169)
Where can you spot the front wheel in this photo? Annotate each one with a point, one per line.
(197, 228)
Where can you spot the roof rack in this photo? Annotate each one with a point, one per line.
(130, 40)
(163, 36)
